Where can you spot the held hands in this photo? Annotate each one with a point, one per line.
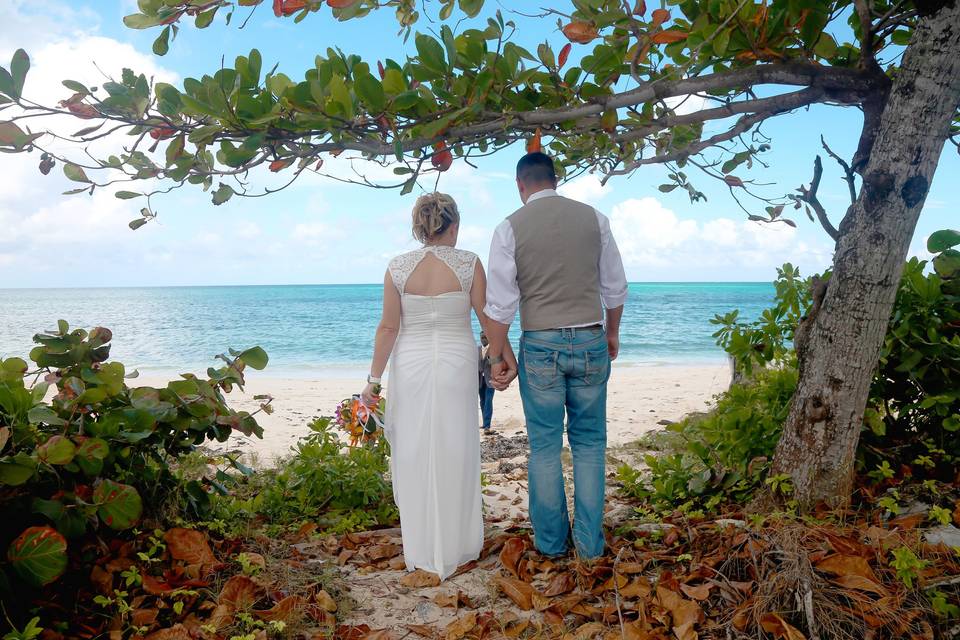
(504, 372)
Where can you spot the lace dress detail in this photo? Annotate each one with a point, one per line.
(461, 262)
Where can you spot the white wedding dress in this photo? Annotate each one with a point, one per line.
(431, 421)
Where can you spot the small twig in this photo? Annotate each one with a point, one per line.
(616, 591)
(848, 172)
(810, 197)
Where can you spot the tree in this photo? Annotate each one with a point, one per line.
(612, 111)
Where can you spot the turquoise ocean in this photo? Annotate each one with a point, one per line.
(315, 331)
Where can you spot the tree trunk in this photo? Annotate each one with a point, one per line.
(838, 345)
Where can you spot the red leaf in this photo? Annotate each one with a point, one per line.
(580, 32)
(668, 37)
(659, 16)
(340, 4)
(533, 144)
(564, 54)
(381, 69)
(640, 8)
(280, 165)
(733, 181)
(442, 158)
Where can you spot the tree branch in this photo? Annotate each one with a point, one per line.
(848, 173)
(810, 197)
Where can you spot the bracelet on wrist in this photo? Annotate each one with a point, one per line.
(494, 360)
(373, 380)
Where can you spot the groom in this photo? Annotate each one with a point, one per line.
(555, 259)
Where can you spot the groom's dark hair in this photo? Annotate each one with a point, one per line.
(536, 168)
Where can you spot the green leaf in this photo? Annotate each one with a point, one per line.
(141, 21)
(901, 37)
(222, 194)
(254, 357)
(19, 66)
(471, 7)
(57, 450)
(204, 19)
(720, 42)
(826, 46)
(947, 264)
(127, 195)
(119, 505)
(16, 470)
(430, 53)
(942, 240)
(371, 92)
(76, 87)
(75, 173)
(162, 44)
(136, 223)
(39, 555)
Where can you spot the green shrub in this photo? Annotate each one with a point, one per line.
(723, 454)
(81, 450)
(912, 415)
(338, 487)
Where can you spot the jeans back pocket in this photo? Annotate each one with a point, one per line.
(540, 367)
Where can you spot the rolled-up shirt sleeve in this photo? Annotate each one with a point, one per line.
(613, 278)
(503, 292)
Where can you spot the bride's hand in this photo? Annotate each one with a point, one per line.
(368, 397)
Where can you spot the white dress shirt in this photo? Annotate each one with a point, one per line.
(503, 292)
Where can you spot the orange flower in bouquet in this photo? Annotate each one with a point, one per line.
(362, 423)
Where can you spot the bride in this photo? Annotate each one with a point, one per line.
(431, 421)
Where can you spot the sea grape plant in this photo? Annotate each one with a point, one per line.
(81, 449)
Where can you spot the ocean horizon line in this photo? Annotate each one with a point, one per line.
(334, 284)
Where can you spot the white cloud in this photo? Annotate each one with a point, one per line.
(586, 188)
(657, 244)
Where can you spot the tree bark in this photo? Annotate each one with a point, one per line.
(838, 346)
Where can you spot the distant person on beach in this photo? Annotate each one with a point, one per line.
(556, 261)
(486, 385)
(431, 418)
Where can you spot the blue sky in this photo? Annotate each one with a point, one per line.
(321, 231)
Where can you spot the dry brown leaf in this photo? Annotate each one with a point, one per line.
(517, 590)
(378, 634)
(383, 551)
(287, 609)
(420, 579)
(699, 592)
(189, 546)
(684, 613)
(840, 565)
(845, 545)
(143, 617)
(155, 586)
(515, 628)
(541, 602)
(639, 588)
(239, 593)
(511, 556)
(461, 626)
(423, 630)
(345, 556)
(326, 602)
(630, 568)
(585, 631)
(780, 628)
(447, 600)
(956, 513)
(562, 583)
(398, 563)
(861, 584)
(102, 580)
(176, 632)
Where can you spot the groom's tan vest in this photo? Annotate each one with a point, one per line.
(558, 257)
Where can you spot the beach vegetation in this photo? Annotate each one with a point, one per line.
(82, 450)
(325, 483)
(607, 102)
(725, 456)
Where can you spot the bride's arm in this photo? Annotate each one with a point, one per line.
(478, 298)
(386, 335)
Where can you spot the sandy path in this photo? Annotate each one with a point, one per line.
(639, 398)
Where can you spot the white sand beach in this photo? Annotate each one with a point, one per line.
(640, 397)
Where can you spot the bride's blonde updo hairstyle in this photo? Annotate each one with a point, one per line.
(433, 214)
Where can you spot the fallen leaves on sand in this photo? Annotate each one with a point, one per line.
(420, 579)
(517, 590)
(781, 629)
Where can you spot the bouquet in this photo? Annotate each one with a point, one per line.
(361, 422)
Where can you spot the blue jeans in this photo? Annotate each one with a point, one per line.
(566, 371)
(486, 403)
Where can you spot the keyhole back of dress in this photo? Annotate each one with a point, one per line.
(432, 277)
